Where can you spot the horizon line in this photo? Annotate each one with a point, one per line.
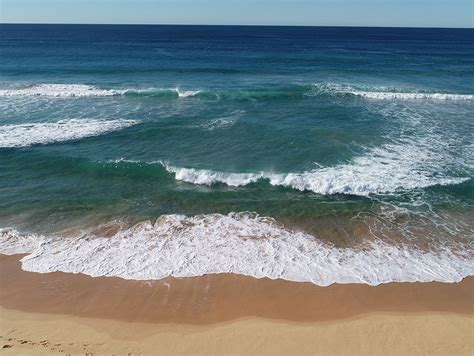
(224, 25)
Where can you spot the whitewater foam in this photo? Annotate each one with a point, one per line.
(23, 135)
(242, 243)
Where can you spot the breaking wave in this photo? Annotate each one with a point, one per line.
(390, 168)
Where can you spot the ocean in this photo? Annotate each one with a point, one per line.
(313, 154)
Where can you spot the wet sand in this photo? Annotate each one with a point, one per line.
(229, 314)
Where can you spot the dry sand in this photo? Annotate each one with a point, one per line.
(224, 314)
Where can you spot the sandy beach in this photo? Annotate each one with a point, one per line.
(229, 314)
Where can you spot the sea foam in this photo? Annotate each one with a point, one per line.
(242, 243)
(23, 135)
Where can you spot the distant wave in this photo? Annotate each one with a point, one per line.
(82, 90)
(386, 169)
(23, 135)
(243, 243)
(60, 91)
(385, 93)
(295, 91)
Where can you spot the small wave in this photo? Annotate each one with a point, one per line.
(222, 122)
(242, 243)
(24, 135)
(162, 92)
(187, 93)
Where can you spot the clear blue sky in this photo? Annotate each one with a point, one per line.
(418, 13)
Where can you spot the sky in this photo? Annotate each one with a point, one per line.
(412, 13)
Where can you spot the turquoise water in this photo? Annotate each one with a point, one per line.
(351, 135)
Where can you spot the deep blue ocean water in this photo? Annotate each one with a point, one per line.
(350, 135)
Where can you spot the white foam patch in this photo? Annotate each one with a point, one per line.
(12, 243)
(219, 123)
(390, 168)
(61, 90)
(24, 135)
(241, 243)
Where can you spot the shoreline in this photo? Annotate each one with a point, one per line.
(219, 297)
(229, 314)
